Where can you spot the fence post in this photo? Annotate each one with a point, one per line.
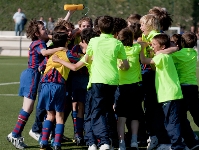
(20, 45)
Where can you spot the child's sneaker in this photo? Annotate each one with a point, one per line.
(152, 142)
(164, 147)
(122, 146)
(17, 142)
(92, 147)
(43, 147)
(79, 141)
(56, 147)
(105, 147)
(52, 142)
(134, 145)
(34, 135)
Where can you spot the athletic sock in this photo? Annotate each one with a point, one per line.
(74, 116)
(134, 138)
(59, 130)
(79, 127)
(21, 122)
(47, 127)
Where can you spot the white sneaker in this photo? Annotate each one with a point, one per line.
(34, 135)
(17, 142)
(92, 147)
(152, 142)
(164, 147)
(134, 144)
(104, 147)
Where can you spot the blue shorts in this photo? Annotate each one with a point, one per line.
(29, 81)
(52, 97)
(79, 88)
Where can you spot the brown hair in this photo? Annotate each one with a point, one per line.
(33, 28)
(106, 24)
(126, 37)
(188, 40)
(163, 39)
(163, 16)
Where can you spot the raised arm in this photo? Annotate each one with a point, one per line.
(48, 52)
(68, 15)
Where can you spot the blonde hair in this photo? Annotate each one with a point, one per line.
(151, 22)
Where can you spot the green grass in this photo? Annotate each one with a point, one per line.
(10, 105)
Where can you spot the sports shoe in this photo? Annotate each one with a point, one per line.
(164, 147)
(152, 142)
(122, 147)
(79, 141)
(134, 145)
(56, 147)
(92, 147)
(34, 135)
(195, 147)
(52, 141)
(17, 142)
(105, 147)
(43, 147)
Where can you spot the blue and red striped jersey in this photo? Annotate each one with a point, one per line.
(53, 75)
(35, 58)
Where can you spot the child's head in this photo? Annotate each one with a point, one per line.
(95, 26)
(160, 42)
(119, 24)
(137, 32)
(126, 37)
(133, 18)
(68, 25)
(149, 22)
(176, 39)
(59, 39)
(106, 24)
(163, 16)
(36, 31)
(85, 22)
(188, 40)
(87, 34)
(60, 28)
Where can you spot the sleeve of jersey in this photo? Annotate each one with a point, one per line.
(89, 50)
(41, 45)
(73, 58)
(121, 53)
(158, 60)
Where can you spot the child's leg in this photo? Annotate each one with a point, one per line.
(59, 129)
(74, 115)
(80, 119)
(173, 124)
(47, 127)
(121, 127)
(24, 114)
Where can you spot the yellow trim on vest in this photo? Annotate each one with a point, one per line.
(64, 71)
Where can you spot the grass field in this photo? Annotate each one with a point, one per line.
(10, 104)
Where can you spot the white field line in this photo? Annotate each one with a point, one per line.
(9, 95)
(9, 83)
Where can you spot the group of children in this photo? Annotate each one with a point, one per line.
(103, 74)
